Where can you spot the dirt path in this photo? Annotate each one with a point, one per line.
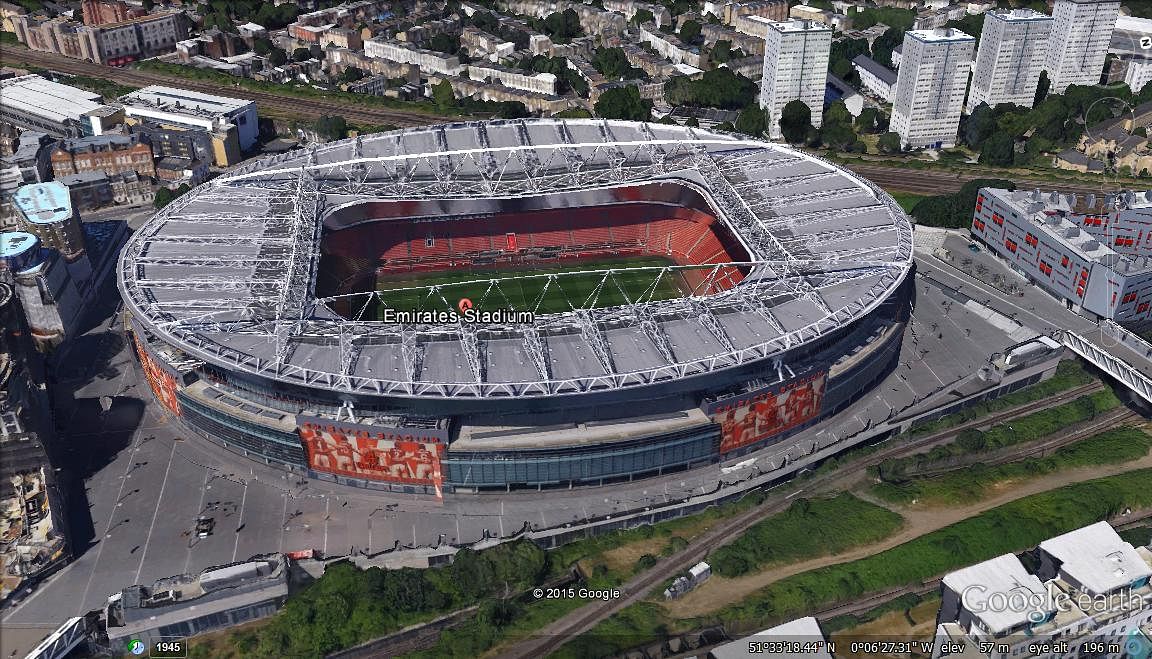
(718, 591)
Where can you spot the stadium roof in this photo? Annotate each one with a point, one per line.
(226, 273)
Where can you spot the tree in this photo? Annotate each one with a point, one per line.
(884, 44)
(998, 150)
(623, 103)
(443, 96)
(333, 127)
(612, 62)
(971, 440)
(718, 88)
(642, 16)
(867, 121)
(889, 143)
(795, 121)
(149, 5)
(262, 46)
(692, 122)
(1042, 87)
(752, 121)
(979, 126)
(721, 51)
(301, 54)
(562, 26)
(352, 74)
(277, 57)
(513, 110)
(163, 197)
(836, 129)
(690, 31)
(444, 43)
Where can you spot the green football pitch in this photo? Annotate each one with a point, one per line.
(525, 290)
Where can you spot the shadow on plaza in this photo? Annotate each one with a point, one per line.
(89, 443)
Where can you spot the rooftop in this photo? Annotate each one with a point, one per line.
(175, 100)
(50, 100)
(801, 630)
(1018, 15)
(1097, 558)
(939, 35)
(44, 203)
(799, 26)
(885, 74)
(999, 577)
(15, 243)
(1050, 213)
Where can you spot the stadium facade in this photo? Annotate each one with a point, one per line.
(1090, 251)
(256, 303)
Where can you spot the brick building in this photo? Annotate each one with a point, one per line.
(104, 12)
(112, 154)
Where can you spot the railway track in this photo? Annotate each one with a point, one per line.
(585, 618)
(308, 108)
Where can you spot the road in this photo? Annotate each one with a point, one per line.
(585, 618)
(306, 108)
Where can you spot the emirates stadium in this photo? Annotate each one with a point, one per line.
(518, 304)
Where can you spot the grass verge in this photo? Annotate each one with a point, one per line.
(979, 482)
(808, 529)
(1012, 527)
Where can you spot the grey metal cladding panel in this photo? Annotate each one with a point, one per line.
(247, 201)
(835, 222)
(251, 344)
(316, 356)
(466, 138)
(862, 198)
(571, 357)
(690, 340)
(543, 133)
(178, 228)
(585, 133)
(502, 136)
(185, 295)
(333, 155)
(163, 249)
(508, 361)
(802, 168)
(632, 350)
(177, 272)
(420, 142)
(746, 328)
(445, 361)
(886, 239)
(808, 186)
(383, 361)
(840, 295)
(797, 313)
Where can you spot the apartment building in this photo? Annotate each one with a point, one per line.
(930, 87)
(795, 68)
(1078, 42)
(1013, 47)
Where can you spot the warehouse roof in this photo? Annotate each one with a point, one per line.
(53, 101)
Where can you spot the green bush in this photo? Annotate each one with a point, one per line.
(1025, 429)
(975, 482)
(808, 529)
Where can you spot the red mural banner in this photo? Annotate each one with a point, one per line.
(365, 454)
(163, 382)
(753, 417)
